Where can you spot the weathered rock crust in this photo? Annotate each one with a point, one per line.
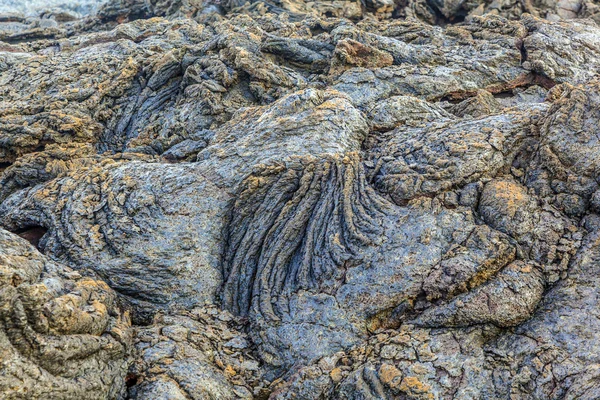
(300, 200)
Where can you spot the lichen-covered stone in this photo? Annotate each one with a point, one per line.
(62, 335)
(299, 199)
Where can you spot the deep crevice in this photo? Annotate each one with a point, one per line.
(523, 50)
(131, 379)
(33, 234)
(504, 95)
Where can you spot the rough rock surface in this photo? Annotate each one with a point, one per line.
(289, 199)
(62, 334)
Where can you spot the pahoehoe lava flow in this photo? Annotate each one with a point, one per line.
(287, 199)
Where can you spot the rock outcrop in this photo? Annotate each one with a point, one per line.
(300, 199)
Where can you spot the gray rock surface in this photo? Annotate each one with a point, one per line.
(300, 199)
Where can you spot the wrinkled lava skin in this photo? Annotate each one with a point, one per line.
(300, 200)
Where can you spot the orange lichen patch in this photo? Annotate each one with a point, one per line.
(117, 86)
(415, 389)
(230, 371)
(425, 354)
(336, 375)
(504, 255)
(350, 53)
(555, 94)
(390, 375)
(380, 320)
(79, 126)
(485, 273)
(157, 369)
(401, 338)
(96, 238)
(385, 8)
(526, 268)
(508, 195)
(72, 314)
(421, 335)
(92, 284)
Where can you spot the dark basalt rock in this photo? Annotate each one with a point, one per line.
(300, 200)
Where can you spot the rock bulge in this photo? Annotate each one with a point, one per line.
(300, 200)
